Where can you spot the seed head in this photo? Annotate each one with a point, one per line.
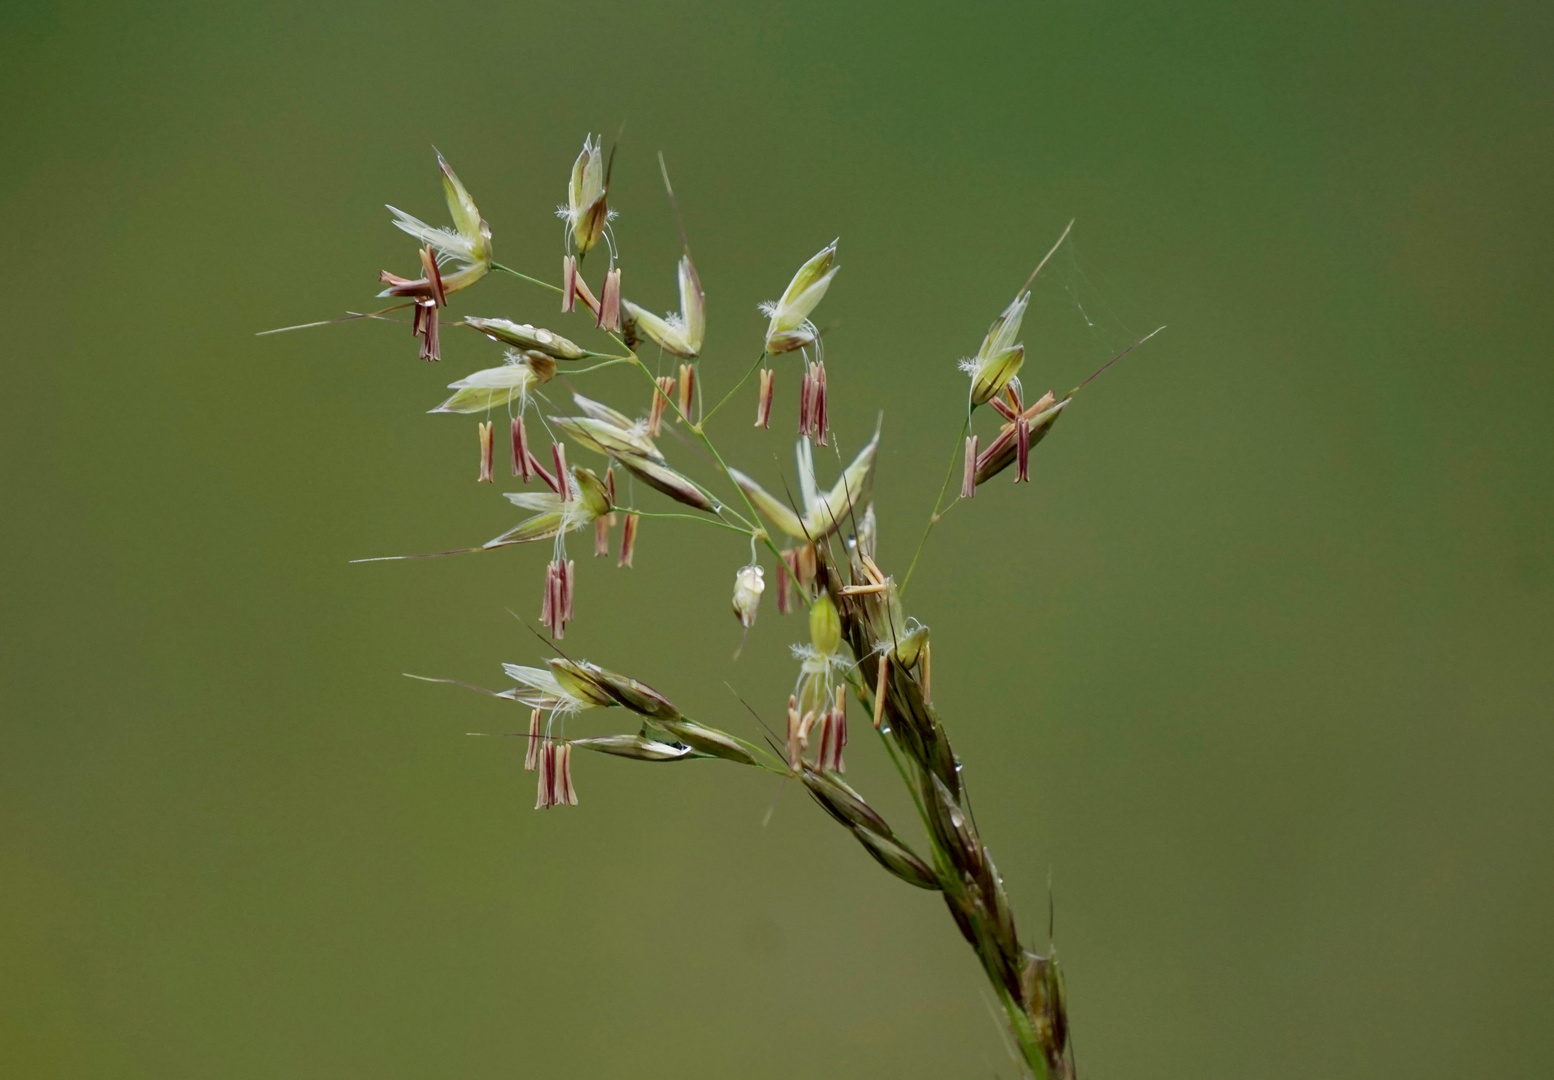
(638, 747)
(912, 646)
(527, 337)
(790, 327)
(823, 513)
(817, 695)
(842, 802)
(749, 584)
(1046, 1002)
(606, 431)
(677, 334)
(539, 689)
(609, 438)
(494, 388)
(467, 245)
(671, 483)
(708, 740)
(1000, 357)
(896, 858)
(990, 375)
(581, 680)
(825, 628)
(639, 697)
(587, 211)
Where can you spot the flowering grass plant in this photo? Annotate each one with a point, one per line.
(863, 653)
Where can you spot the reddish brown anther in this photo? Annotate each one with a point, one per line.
(805, 565)
(925, 672)
(487, 453)
(659, 404)
(546, 797)
(628, 540)
(795, 734)
(566, 590)
(839, 730)
(833, 735)
(812, 403)
(433, 276)
(823, 416)
(539, 470)
(427, 293)
(806, 724)
(1004, 450)
(556, 610)
(563, 482)
(763, 405)
(549, 609)
(784, 585)
(531, 757)
(1022, 438)
(687, 389)
(872, 571)
(582, 293)
(575, 290)
(605, 522)
(879, 689)
(568, 283)
(566, 794)
(610, 307)
(521, 465)
(968, 483)
(423, 324)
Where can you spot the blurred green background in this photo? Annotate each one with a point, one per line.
(1257, 669)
